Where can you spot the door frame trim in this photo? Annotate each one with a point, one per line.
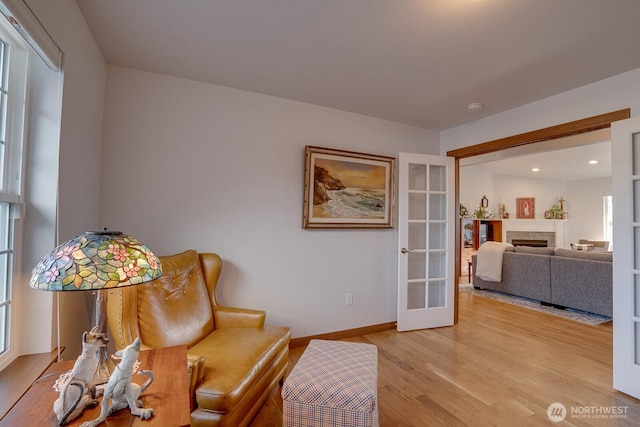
(588, 124)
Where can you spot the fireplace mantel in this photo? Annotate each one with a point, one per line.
(557, 226)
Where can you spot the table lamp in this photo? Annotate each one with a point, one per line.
(97, 261)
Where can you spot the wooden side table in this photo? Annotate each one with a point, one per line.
(168, 395)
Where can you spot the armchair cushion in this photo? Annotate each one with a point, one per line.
(236, 359)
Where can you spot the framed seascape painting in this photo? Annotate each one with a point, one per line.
(526, 208)
(344, 189)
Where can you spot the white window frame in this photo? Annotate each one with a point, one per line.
(11, 185)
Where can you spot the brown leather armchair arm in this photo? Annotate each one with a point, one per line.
(228, 317)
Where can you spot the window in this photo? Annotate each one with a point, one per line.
(5, 279)
(608, 220)
(5, 290)
(13, 77)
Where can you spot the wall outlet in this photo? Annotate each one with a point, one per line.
(349, 300)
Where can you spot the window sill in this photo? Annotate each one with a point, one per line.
(18, 376)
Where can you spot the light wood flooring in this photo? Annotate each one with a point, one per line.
(501, 365)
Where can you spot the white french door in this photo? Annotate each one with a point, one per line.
(426, 242)
(625, 179)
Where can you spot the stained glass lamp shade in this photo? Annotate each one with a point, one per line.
(97, 261)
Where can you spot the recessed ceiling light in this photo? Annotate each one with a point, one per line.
(535, 170)
(593, 162)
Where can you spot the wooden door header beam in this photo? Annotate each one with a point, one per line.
(589, 124)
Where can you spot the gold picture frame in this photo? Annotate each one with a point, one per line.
(346, 189)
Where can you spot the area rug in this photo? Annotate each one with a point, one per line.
(569, 313)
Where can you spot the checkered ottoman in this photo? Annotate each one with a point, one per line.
(335, 383)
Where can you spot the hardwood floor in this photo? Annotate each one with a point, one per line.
(500, 365)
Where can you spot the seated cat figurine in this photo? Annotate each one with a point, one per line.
(78, 390)
(121, 391)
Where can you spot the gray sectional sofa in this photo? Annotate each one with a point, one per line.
(561, 277)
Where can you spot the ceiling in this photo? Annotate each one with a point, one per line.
(419, 62)
(562, 159)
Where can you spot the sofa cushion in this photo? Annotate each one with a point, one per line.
(526, 275)
(594, 256)
(534, 250)
(175, 309)
(582, 284)
(236, 359)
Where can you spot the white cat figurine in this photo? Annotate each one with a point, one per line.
(121, 391)
(78, 391)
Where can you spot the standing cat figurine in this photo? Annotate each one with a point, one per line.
(78, 391)
(121, 391)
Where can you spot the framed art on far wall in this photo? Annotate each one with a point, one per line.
(526, 208)
(345, 189)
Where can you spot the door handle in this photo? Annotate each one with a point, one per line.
(405, 250)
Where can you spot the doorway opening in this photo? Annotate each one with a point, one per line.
(543, 136)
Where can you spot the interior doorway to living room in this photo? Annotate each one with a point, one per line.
(546, 137)
(553, 174)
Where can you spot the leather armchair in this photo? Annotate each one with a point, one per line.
(235, 361)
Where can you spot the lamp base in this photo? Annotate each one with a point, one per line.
(105, 368)
(105, 364)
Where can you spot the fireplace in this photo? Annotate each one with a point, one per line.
(532, 238)
(553, 231)
(536, 243)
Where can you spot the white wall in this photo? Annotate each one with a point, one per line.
(508, 188)
(194, 165)
(585, 208)
(475, 182)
